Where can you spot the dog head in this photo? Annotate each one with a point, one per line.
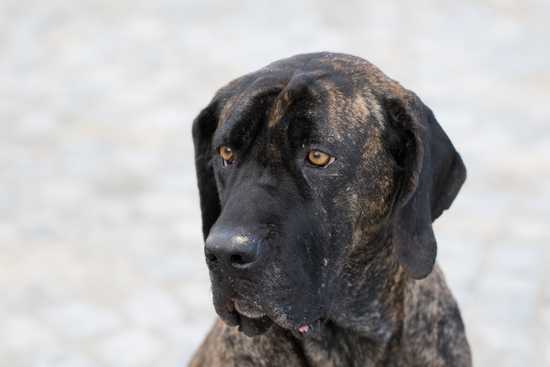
(299, 165)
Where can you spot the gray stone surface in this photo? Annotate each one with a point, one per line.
(80, 320)
(100, 247)
(129, 348)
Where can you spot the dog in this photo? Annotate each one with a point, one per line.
(319, 179)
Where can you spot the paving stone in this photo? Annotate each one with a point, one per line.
(172, 265)
(21, 333)
(129, 348)
(198, 296)
(154, 308)
(191, 334)
(80, 320)
(546, 318)
(175, 362)
(3, 307)
(520, 260)
(461, 260)
(64, 357)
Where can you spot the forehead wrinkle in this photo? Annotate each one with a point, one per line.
(243, 127)
(301, 87)
(243, 100)
(278, 110)
(325, 105)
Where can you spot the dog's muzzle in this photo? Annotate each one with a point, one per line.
(233, 252)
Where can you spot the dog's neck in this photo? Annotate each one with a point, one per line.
(370, 308)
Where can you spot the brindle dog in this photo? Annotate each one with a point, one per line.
(319, 181)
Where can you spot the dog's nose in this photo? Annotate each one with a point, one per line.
(233, 252)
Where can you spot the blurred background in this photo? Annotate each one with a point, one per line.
(100, 246)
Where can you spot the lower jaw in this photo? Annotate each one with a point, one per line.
(258, 326)
(248, 325)
(254, 327)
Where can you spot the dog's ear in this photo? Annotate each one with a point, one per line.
(433, 173)
(204, 127)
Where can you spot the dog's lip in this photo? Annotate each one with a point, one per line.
(230, 305)
(251, 323)
(230, 316)
(246, 308)
(255, 323)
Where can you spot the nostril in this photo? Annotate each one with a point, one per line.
(242, 258)
(211, 260)
(237, 260)
(223, 251)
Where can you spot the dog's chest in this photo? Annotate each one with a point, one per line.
(345, 350)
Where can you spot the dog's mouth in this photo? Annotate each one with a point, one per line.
(245, 308)
(253, 322)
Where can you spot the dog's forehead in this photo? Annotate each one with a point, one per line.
(341, 89)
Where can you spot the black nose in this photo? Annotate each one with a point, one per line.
(233, 251)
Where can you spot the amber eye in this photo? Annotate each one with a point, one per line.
(319, 159)
(227, 155)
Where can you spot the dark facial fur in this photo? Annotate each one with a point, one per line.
(310, 249)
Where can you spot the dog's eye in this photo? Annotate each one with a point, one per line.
(227, 155)
(319, 159)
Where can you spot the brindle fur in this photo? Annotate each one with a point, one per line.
(351, 245)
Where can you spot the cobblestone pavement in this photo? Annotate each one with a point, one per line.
(100, 243)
